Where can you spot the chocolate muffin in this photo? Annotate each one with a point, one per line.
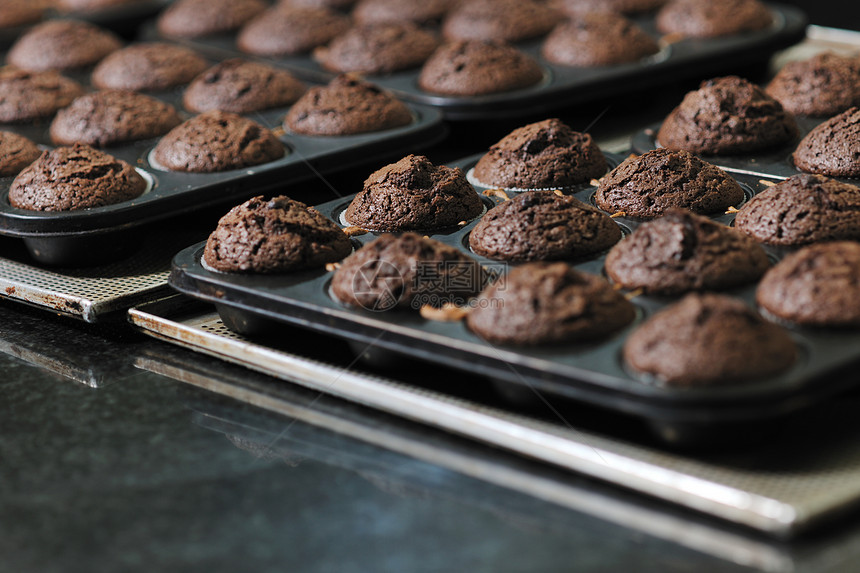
(27, 96)
(818, 285)
(823, 85)
(831, 148)
(286, 30)
(546, 154)
(414, 195)
(196, 18)
(378, 49)
(681, 252)
(549, 303)
(240, 86)
(576, 8)
(14, 13)
(273, 236)
(474, 67)
(62, 45)
(109, 117)
(148, 67)
(499, 20)
(709, 340)
(376, 11)
(726, 116)
(598, 39)
(406, 271)
(90, 5)
(16, 153)
(644, 187)
(73, 178)
(802, 209)
(709, 19)
(217, 141)
(543, 226)
(346, 106)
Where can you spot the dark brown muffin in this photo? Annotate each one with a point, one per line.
(196, 18)
(499, 20)
(16, 153)
(27, 96)
(15, 13)
(709, 340)
(378, 48)
(548, 303)
(346, 106)
(818, 285)
(644, 187)
(240, 86)
(831, 148)
(802, 209)
(727, 116)
(406, 271)
(709, 19)
(598, 39)
(825, 84)
(217, 141)
(148, 67)
(62, 45)
(91, 5)
(414, 195)
(112, 116)
(470, 68)
(546, 154)
(681, 252)
(543, 226)
(376, 11)
(575, 8)
(72, 178)
(273, 236)
(287, 30)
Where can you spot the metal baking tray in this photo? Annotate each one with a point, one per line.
(564, 86)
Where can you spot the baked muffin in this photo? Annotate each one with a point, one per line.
(709, 19)
(29, 96)
(61, 45)
(14, 13)
(151, 66)
(818, 285)
(831, 148)
(726, 116)
(823, 85)
(644, 187)
(414, 195)
(217, 141)
(91, 5)
(598, 39)
(709, 340)
(546, 154)
(499, 20)
(474, 67)
(406, 271)
(73, 178)
(575, 8)
(549, 303)
(800, 210)
(109, 117)
(543, 226)
(287, 30)
(197, 18)
(16, 153)
(681, 252)
(273, 236)
(376, 11)
(240, 86)
(346, 106)
(338, 4)
(378, 49)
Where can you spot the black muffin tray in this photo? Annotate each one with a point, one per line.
(563, 86)
(594, 373)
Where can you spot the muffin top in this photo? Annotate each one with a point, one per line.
(546, 154)
(598, 39)
(375, 11)
(542, 226)
(285, 30)
(378, 48)
(32, 95)
(72, 178)
(150, 66)
(645, 186)
(831, 148)
(499, 20)
(727, 115)
(61, 45)
(241, 86)
(708, 19)
(16, 153)
(681, 252)
(197, 18)
(576, 8)
(823, 85)
(413, 194)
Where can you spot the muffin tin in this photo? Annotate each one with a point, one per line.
(562, 86)
(590, 372)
